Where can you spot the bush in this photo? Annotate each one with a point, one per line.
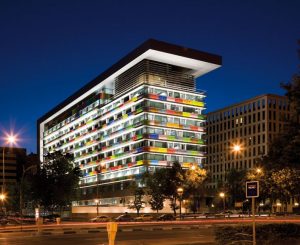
(285, 233)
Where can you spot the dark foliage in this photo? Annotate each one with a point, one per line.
(286, 233)
(56, 182)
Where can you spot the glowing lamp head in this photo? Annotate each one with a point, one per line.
(11, 139)
(258, 170)
(193, 167)
(2, 196)
(180, 190)
(236, 148)
(97, 201)
(222, 194)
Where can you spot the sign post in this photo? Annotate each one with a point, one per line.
(252, 191)
(112, 228)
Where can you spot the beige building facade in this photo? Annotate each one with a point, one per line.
(251, 124)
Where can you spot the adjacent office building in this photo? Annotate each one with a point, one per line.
(11, 164)
(143, 113)
(252, 124)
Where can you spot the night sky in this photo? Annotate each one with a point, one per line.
(50, 49)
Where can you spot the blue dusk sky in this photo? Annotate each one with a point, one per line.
(50, 49)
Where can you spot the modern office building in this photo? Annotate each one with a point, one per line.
(10, 165)
(143, 113)
(251, 124)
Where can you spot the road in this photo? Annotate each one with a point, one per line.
(166, 233)
(166, 237)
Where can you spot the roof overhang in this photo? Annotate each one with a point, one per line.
(198, 62)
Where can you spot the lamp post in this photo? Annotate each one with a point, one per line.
(180, 192)
(222, 195)
(21, 188)
(10, 140)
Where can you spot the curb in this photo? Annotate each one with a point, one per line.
(70, 231)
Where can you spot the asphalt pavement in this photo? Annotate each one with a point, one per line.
(201, 236)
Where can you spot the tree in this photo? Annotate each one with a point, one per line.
(138, 202)
(193, 185)
(174, 179)
(194, 178)
(235, 185)
(282, 184)
(157, 201)
(138, 199)
(284, 150)
(56, 182)
(155, 185)
(164, 182)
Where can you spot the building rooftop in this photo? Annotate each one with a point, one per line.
(198, 62)
(245, 102)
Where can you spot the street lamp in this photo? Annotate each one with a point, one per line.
(2, 197)
(180, 192)
(21, 188)
(222, 195)
(236, 148)
(10, 140)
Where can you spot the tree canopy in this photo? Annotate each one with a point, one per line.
(164, 182)
(55, 184)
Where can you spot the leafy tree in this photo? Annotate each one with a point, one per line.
(293, 93)
(282, 184)
(194, 178)
(284, 150)
(174, 179)
(138, 202)
(155, 186)
(280, 180)
(157, 201)
(193, 186)
(235, 185)
(55, 184)
(164, 182)
(138, 199)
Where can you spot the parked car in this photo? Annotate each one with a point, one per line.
(3, 221)
(124, 218)
(144, 217)
(102, 218)
(51, 218)
(165, 217)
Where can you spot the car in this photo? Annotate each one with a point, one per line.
(144, 217)
(124, 218)
(3, 221)
(165, 217)
(51, 218)
(101, 218)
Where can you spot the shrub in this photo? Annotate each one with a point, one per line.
(284, 233)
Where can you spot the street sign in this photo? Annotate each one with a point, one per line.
(252, 189)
